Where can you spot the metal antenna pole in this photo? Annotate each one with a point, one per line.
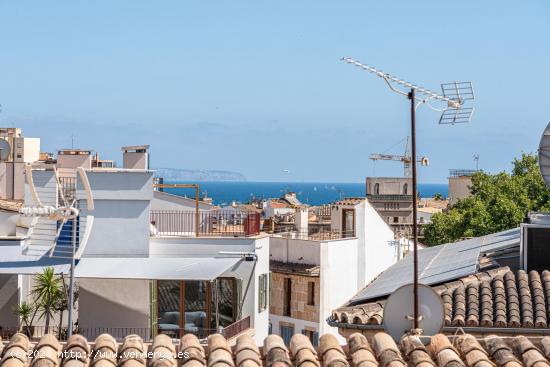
(414, 203)
(454, 95)
(71, 283)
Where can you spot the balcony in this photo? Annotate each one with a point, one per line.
(374, 198)
(313, 234)
(176, 223)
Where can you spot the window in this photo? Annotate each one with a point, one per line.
(286, 333)
(348, 222)
(313, 336)
(287, 290)
(311, 293)
(262, 292)
(405, 189)
(376, 189)
(396, 219)
(190, 306)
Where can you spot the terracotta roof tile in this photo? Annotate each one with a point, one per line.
(381, 351)
(495, 298)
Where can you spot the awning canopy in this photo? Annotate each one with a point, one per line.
(190, 268)
(13, 261)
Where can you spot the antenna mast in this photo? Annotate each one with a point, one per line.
(454, 95)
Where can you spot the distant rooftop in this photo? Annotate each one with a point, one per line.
(74, 152)
(135, 148)
(348, 201)
(462, 172)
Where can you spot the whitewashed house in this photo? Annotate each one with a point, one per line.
(312, 273)
(143, 265)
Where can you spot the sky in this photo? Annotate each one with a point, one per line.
(258, 87)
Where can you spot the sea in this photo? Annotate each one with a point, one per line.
(312, 193)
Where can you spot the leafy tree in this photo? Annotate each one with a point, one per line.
(438, 196)
(498, 202)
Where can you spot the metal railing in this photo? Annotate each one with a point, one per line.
(389, 197)
(462, 172)
(120, 332)
(210, 223)
(236, 328)
(314, 234)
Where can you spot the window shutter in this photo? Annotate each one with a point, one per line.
(238, 298)
(261, 293)
(270, 289)
(153, 314)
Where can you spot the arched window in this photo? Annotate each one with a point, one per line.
(376, 189)
(405, 189)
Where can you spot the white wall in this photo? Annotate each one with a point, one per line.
(291, 250)
(379, 254)
(337, 279)
(8, 223)
(114, 303)
(270, 212)
(121, 214)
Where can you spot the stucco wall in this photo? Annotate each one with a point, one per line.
(121, 214)
(9, 296)
(459, 188)
(114, 303)
(338, 279)
(378, 237)
(294, 250)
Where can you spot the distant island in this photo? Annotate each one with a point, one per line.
(176, 174)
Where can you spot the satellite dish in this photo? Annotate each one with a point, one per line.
(5, 150)
(399, 311)
(544, 155)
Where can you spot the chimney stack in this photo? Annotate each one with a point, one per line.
(135, 157)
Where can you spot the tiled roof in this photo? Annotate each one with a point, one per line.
(381, 351)
(11, 205)
(348, 201)
(278, 203)
(496, 298)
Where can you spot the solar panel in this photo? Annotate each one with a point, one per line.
(438, 264)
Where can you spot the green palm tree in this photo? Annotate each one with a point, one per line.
(26, 313)
(47, 292)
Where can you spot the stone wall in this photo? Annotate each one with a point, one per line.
(299, 309)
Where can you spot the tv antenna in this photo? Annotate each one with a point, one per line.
(57, 223)
(454, 96)
(476, 158)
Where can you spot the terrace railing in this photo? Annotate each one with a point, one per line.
(319, 234)
(176, 223)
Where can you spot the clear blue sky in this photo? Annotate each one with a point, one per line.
(257, 86)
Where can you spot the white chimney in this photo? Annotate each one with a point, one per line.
(301, 220)
(135, 157)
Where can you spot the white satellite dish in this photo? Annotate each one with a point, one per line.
(544, 155)
(399, 311)
(5, 150)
